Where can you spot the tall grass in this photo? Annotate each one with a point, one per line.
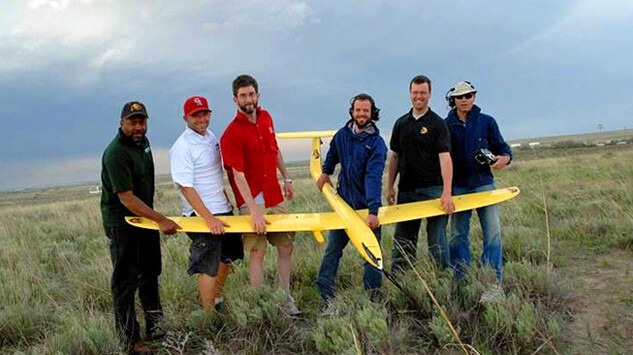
(55, 269)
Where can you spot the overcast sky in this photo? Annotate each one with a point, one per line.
(67, 66)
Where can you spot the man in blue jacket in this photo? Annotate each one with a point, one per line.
(471, 130)
(361, 152)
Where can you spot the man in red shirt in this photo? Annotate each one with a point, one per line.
(251, 158)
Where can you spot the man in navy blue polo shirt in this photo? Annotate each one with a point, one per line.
(472, 130)
(420, 149)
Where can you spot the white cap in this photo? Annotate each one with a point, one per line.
(463, 87)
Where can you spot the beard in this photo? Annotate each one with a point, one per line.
(362, 125)
(249, 109)
(137, 138)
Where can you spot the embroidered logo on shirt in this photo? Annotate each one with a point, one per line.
(147, 150)
(424, 130)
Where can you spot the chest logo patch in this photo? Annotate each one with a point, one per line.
(424, 130)
(147, 150)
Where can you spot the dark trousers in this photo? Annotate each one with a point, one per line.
(136, 264)
(337, 241)
(405, 237)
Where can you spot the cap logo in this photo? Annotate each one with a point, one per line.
(136, 107)
(424, 130)
(197, 101)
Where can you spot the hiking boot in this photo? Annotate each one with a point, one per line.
(220, 305)
(331, 311)
(141, 348)
(375, 295)
(155, 333)
(494, 294)
(292, 308)
(153, 323)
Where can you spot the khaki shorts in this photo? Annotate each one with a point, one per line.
(258, 241)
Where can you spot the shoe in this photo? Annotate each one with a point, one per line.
(493, 295)
(220, 305)
(375, 295)
(141, 348)
(292, 308)
(153, 323)
(331, 311)
(155, 333)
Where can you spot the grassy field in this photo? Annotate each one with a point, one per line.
(55, 269)
(594, 137)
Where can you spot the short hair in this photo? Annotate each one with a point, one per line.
(420, 79)
(243, 81)
(375, 111)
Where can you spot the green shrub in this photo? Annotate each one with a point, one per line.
(85, 334)
(21, 325)
(441, 331)
(334, 336)
(371, 322)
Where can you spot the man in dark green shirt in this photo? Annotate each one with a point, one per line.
(127, 177)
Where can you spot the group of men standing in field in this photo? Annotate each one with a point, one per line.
(434, 158)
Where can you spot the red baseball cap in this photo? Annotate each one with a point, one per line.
(195, 104)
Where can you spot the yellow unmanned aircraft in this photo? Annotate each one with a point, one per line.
(343, 217)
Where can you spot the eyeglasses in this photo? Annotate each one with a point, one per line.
(465, 96)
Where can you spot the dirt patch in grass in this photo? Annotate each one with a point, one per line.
(603, 311)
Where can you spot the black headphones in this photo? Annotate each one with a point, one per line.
(450, 99)
(375, 111)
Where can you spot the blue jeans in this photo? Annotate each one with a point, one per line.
(460, 229)
(405, 238)
(337, 240)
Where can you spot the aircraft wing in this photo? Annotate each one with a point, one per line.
(310, 222)
(307, 134)
(343, 217)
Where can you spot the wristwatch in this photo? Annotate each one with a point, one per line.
(288, 181)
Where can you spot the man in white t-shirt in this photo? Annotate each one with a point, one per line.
(196, 169)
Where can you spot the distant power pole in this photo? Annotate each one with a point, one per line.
(600, 127)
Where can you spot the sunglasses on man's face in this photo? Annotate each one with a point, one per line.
(465, 96)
